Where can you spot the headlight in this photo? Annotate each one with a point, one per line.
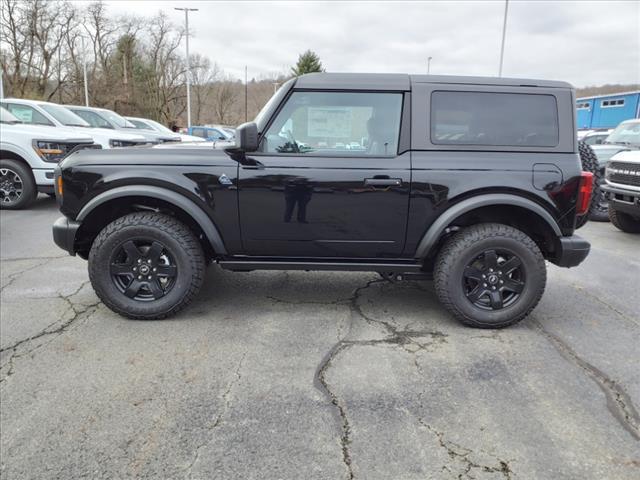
(50, 151)
(118, 143)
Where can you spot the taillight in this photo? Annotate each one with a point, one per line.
(584, 193)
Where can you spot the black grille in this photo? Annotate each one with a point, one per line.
(624, 173)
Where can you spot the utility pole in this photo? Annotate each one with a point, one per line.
(1, 83)
(246, 95)
(429, 65)
(84, 73)
(504, 33)
(186, 22)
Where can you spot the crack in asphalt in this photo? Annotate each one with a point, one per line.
(219, 419)
(622, 315)
(461, 454)
(78, 313)
(619, 402)
(14, 276)
(395, 336)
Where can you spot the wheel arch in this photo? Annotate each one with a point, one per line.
(516, 211)
(10, 154)
(108, 206)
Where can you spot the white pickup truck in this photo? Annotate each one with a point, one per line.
(52, 115)
(28, 157)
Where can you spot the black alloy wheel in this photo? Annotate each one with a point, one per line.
(494, 279)
(146, 265)
(11, 187)
(143, 269)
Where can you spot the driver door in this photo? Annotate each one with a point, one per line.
(328, 180)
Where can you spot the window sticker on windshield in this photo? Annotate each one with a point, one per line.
(332, 122)
(24, 114)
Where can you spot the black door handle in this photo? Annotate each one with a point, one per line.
(382, 182)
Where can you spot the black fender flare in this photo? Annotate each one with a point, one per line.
(431, 237)
(199, 216)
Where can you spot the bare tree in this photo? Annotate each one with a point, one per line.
(203, 74)
(225, 94)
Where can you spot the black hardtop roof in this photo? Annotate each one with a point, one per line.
(403, 81)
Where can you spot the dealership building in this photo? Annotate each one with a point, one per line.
(607, 111)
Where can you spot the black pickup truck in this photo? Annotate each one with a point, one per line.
(473, 181)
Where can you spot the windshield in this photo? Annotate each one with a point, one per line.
(159, 126)
(626, 134)
(140, 124)
(7, 117)
(116, 119)
(263, 117)
(63, 115)
(92, 118)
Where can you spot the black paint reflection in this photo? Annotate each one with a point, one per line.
(297, 192)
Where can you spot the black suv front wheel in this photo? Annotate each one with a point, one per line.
(146, 265)
(490, 275)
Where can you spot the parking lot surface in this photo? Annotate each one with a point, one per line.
(282, 375)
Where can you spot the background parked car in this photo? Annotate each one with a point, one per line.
(210, 133)
(103, 118)
(623, 190)
(28, 156)
(53, 115)
(596, 137)
(148, 124)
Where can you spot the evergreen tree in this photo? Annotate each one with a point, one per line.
(308, 62)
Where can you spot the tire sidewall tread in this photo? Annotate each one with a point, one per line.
(460, 248)
(173, 233)
(29, 188)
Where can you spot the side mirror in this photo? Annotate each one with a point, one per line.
(247, 137)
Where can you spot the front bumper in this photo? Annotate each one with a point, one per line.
(572, 251)
(623, 200)
(64, 234)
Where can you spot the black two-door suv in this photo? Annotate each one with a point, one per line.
(476, 181)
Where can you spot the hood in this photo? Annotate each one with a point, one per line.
(217, 145)
(604, 152)
(158, 155)
(110, 134)
(190, 138)
(47, 133)
(628, 156)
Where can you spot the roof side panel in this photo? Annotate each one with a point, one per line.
(354, 81)
(499, 81)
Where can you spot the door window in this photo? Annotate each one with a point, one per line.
(336, 124)
(199, 132)
(27, 114)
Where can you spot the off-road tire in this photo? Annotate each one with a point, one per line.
(179, 240)
(589, 163)
(624, 221)
(29, 189)
(466, 245)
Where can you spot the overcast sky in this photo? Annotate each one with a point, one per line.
(583, 42)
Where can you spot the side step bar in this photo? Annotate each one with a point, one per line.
(247, 265)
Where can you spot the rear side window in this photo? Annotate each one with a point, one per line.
(494, 119)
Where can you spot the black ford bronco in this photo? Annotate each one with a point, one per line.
(473, 181)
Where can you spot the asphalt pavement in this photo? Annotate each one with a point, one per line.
(288, 375)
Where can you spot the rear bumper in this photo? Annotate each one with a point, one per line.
(572, 251)
(64, 234)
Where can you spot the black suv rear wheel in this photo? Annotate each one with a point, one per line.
(490, 275)
(146, 266)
